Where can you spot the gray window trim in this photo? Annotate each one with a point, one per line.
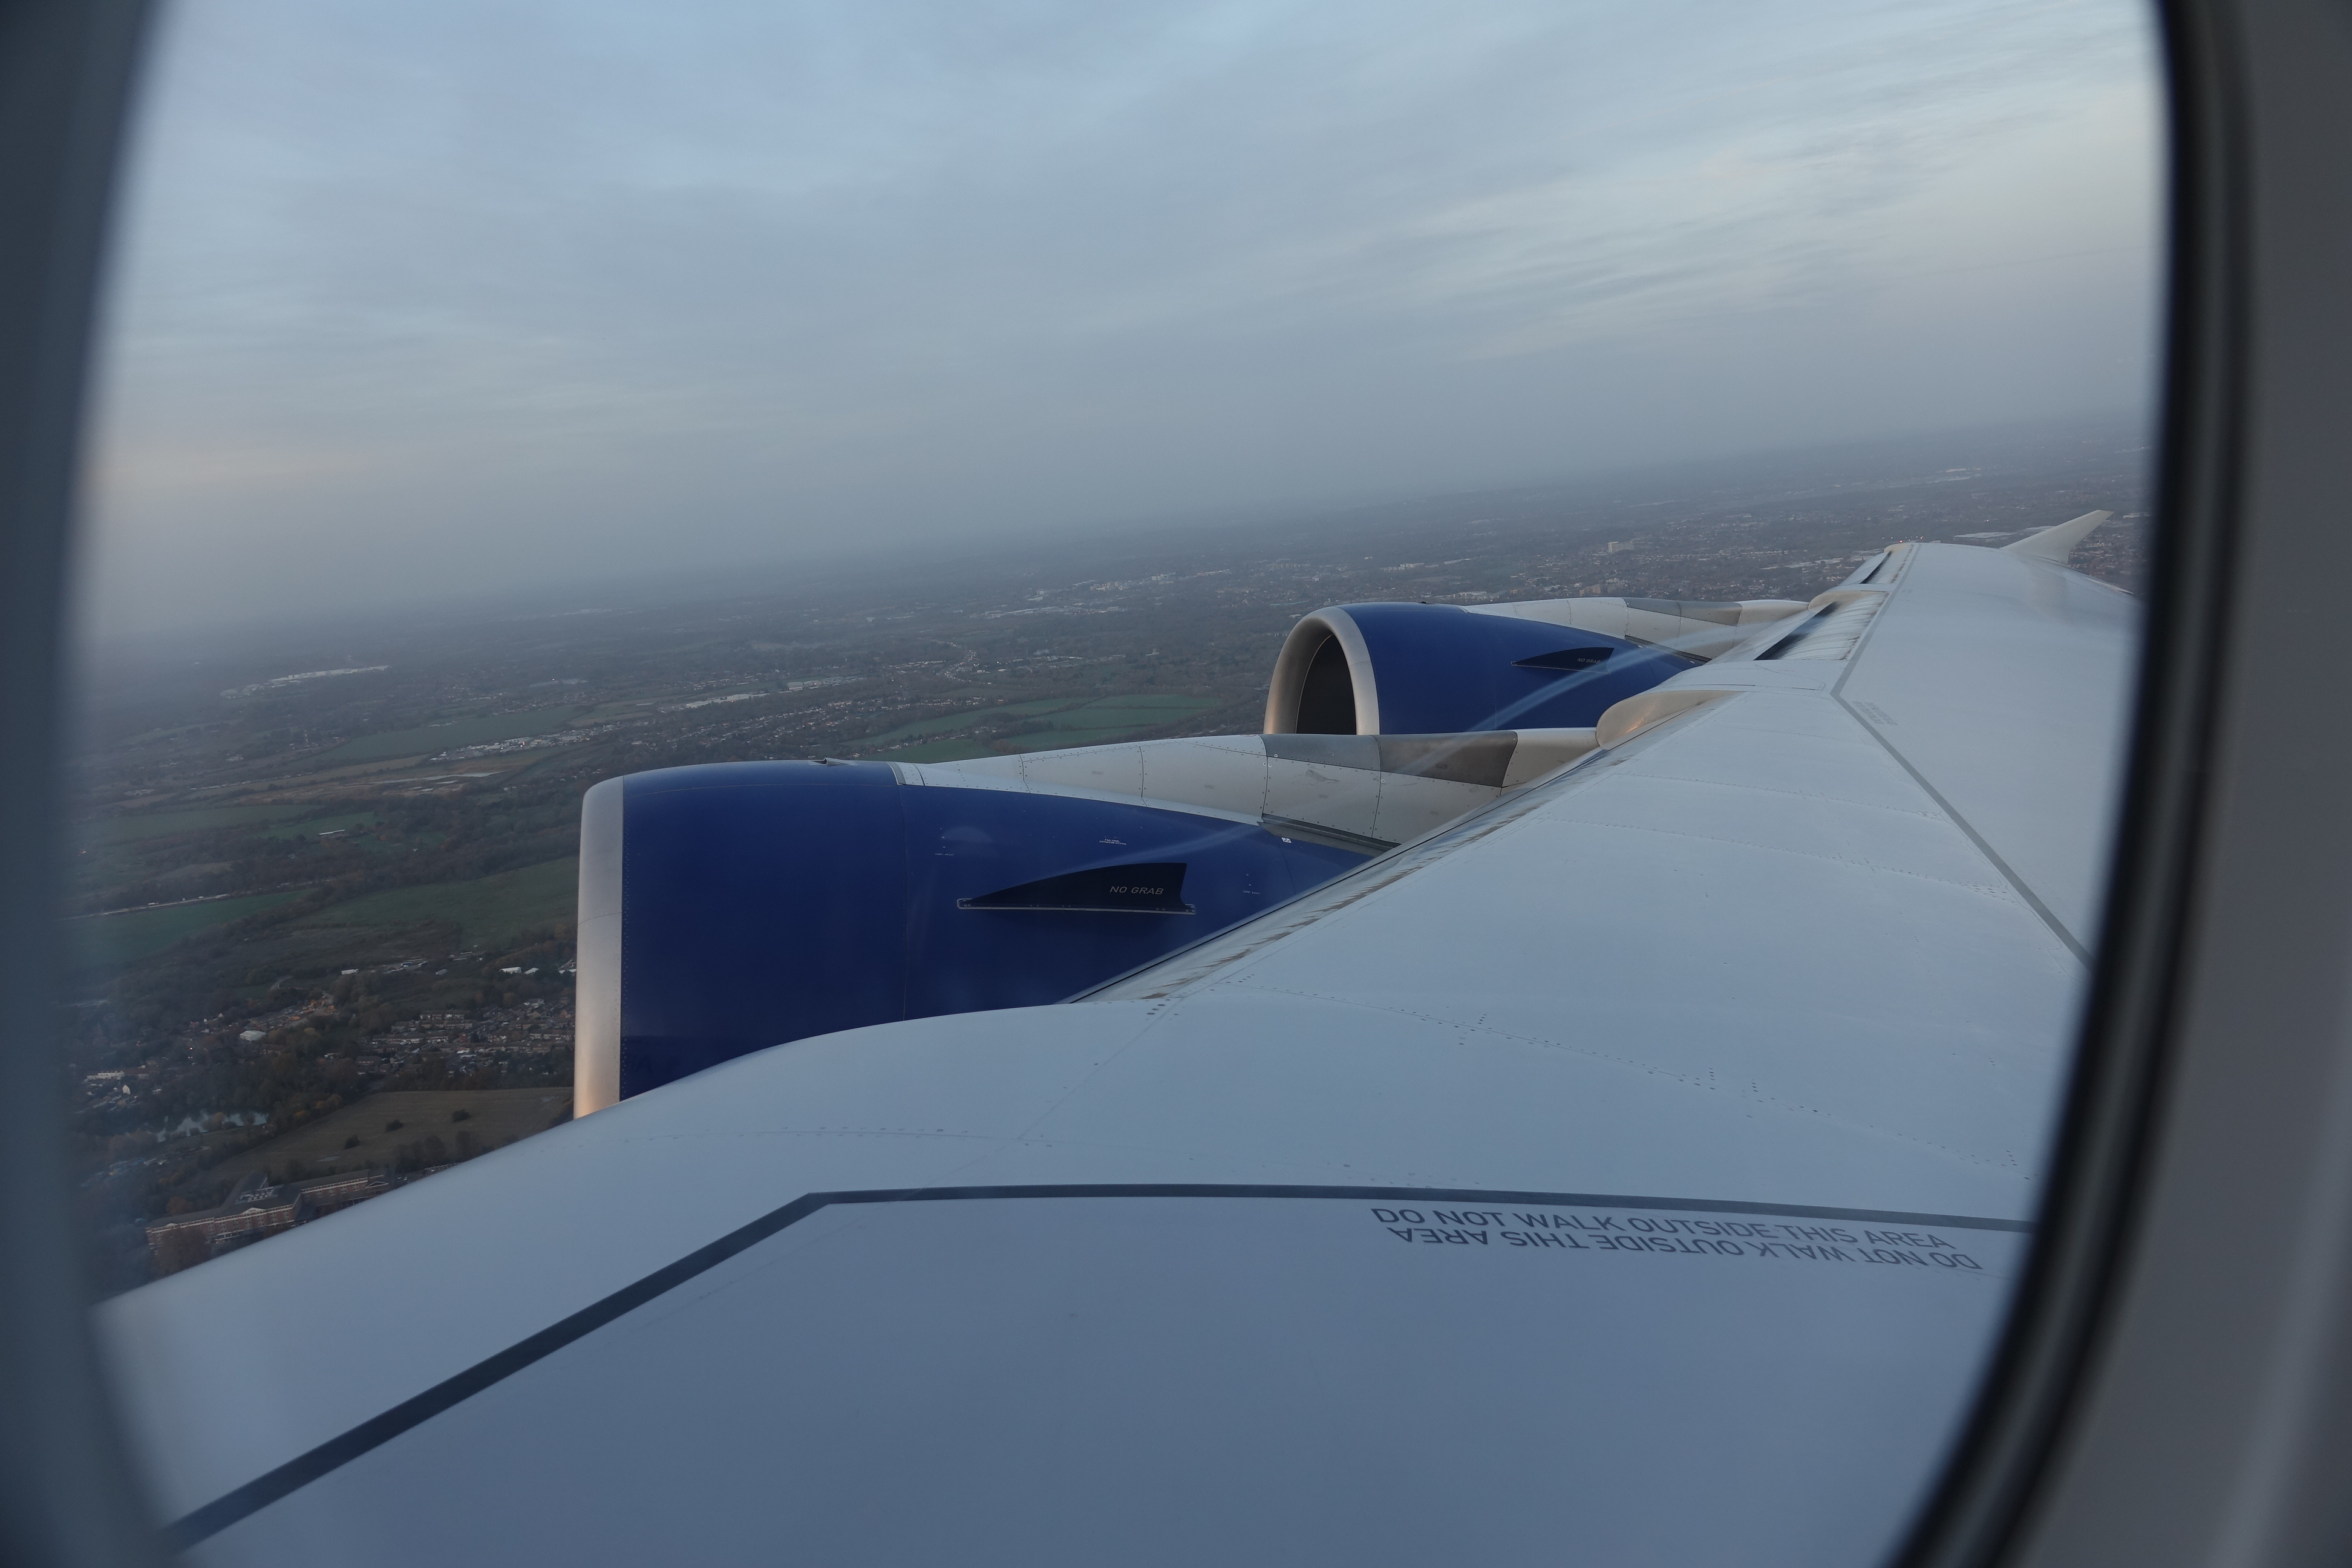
(2177, 1386)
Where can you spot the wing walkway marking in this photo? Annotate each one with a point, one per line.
(255, 1495)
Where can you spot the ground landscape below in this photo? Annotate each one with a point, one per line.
(321, 874)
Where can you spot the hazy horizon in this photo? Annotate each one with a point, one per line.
(479, 301)
(1895, 466)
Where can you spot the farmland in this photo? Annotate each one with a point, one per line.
(373, 1131)
(107, 941)
(489, 911)
(446, 735)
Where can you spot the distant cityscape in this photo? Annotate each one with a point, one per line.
(308, 906)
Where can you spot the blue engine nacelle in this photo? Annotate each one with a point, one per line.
(1408, 668)
(732, 907)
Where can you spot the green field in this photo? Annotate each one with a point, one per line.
(936, 751)
(431, 738)
(1096, 723)
(923, 727)
(318, 824)
(1122, 714)
(1068, 740)
(489, 909)
(1156, 700)
(159, 824)
(494, 1116)
(109, 941)
(928, 727)
(1106, 717)
(1107, 720)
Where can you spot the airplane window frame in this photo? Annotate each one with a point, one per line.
(2173, 1386)
(2103, 1146)
(2172, 1390)
(66, 76)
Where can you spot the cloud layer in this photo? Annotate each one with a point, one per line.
(465, 294)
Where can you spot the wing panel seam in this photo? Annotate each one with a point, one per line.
(2016, 883)
(210, 1519)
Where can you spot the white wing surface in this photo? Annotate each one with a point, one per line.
(1634, 1169)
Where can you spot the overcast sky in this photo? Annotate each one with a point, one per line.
(414, 295)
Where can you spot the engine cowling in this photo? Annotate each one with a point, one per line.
(1411, 669)
(731, 907)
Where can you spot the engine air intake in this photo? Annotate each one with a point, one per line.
(1425, 669)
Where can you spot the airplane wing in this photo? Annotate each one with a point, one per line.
(1624, 1159)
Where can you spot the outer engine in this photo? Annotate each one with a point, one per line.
(1392, 669)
